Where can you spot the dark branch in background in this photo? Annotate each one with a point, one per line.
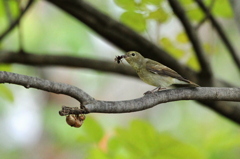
(203, 60)
(235, 7)
(8, 30)
(145, 102)
(120, 35)
(8, 57)
(8, 11)
(67, 61)
(210, 7)
(20, 31)
(221, 33)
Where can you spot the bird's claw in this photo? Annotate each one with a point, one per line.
(154, 90)
(148, 92)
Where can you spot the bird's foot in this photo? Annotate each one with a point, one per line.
(160, 89)
(154, 90)
(148, 92)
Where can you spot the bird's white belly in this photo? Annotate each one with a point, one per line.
(156, 80)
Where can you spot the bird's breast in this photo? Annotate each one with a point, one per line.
(154, 79)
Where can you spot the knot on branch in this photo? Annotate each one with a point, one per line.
(73, 110)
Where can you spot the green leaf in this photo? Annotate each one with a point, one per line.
(134, 20)
(5, 67)
(186, 2)
(6, 93)
(172, 49)
(193, 63)
(154, 2)
(166, 42)
(96, 153)
(92, 131)
(221, 8)
(159, 15)
(182, 38)
(142, 139)
(126, 4)
(195, 14)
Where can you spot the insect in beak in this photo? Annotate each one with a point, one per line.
(119, 58)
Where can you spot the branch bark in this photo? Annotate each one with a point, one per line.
(148, 101)
(67, 61)
(45, 85)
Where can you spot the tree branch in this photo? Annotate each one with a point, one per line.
(8, 11)
(14, 23)
(203, 60)
(68, 61)
(120, 35)
(221, 33)
(32, 59)
(235, 7)
(45, 85)
(209, 9)
(145, 102)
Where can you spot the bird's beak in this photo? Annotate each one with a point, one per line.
(124, 56)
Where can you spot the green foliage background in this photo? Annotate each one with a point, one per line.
(175, 130)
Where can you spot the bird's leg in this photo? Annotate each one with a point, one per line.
(154, 90)
(160, 88)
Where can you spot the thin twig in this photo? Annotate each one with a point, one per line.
(20, 31)
(8, 30)
(206, 15)
(235, 7)
(202, 58)
(8, 11)
(221, 33)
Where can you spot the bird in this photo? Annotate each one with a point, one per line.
(155, 73)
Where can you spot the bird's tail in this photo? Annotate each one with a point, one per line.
(192, 84)
(184, 82)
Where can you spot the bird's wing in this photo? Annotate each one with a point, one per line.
(157, 68)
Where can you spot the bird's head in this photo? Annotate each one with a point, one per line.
(134, 58)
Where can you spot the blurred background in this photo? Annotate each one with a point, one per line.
(29, 121)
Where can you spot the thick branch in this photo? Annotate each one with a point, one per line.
(164, 96)
(14, 23)
(68, 61)
(221, 33)
(203, 60)
(148, 101)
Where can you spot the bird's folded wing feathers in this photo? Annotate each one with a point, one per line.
(157, 68)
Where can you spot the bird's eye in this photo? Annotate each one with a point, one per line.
(133, 54)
